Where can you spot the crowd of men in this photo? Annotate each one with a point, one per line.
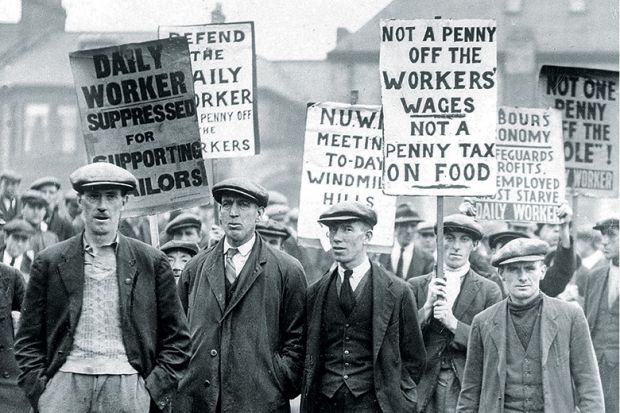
(236, 316)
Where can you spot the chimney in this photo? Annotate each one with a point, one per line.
(341, 33)
(217, 16)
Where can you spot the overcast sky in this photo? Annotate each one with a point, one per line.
(285, 29)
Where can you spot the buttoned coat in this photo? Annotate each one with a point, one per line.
(398, 348)
(421, 263)
(12, 398)
(247, 355)
(154, 328)
(477, 293)
(570, 373)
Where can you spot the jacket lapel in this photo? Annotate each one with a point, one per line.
(126, 272)
(469, 289)
(498, 336)
(548, 327)
(595, 292)
(71, 272)
(215, 273)
(246, 280)
(383, 299)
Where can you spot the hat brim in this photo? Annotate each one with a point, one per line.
(218, 193)
(105, 184)
(405, 220)
(525, 258)
(185, 225)
(180, 248)
(460, 228)
(344, 218)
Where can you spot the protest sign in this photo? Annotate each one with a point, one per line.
(343, 162)
(137, 111)
(439, 89)
(588, 100)
(224, 67)
(530, 163)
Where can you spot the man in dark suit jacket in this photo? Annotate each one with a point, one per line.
(364, 350)
(601, 309)
(49, 186)
(407, 260)
(15, 251)
(245, 306)
(447, 307)
(529, 352)
(102, 325)
(9, 201)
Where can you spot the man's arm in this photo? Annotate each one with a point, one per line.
(412, 350)
(173, 339)
(583, 366)
(564, 262)
(469, 398)
(30, 343)
(290, 357)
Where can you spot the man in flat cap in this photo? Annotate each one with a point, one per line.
(529, 352)
(407, 260)
(272, 232)
(425, 238)
(34, 207)
(9, 201)
(447, 307)
(179, 253)
(102, 327)
(601, 309)
(58, 224)
(245, 306)
(364, 349)
(17, 241)
(185, 227)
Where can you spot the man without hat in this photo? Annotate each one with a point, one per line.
(447, 307)
(9, 201)
(49, 186)
(407, 260)
(17, 241)
(364, 350)
(601, 309)
(102, 327)
(529, 352)
(179, 253)
(34, 207)
(245, 306)
(12, 398)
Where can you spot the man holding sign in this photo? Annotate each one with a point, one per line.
(447, 307)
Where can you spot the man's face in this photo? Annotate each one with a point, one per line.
(273, 240)
(33, 213)
(349, 240)
(522, 279)
(187, 234)
(50, 193)
(405, 232)
(178, 259)
(610, 243)
(101, 209)
(8, 187)
(17, 244)
(238, 217)
(426, 241)
(457, 248)
(550, 233)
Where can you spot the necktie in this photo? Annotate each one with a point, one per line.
(347, 300)
(12, 261)
(231, 271)
(399, 266)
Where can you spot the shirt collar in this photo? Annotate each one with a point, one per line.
(88, 248)
(244, 249)
(456, 272)
(358, 272)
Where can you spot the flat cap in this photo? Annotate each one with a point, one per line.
(102, 174)
(277, 210)
(187, 246)
(45, 181)
(521, 249)
(271, 227)
(276, 197)
(349, 211)
(70, 195)
(504, 237)
(462, 223)
(18, 226)
(34, 197)
(183, 220)
(605, 224)
(10, 175)
(243, 187)
(405, 214)
(426, 227)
